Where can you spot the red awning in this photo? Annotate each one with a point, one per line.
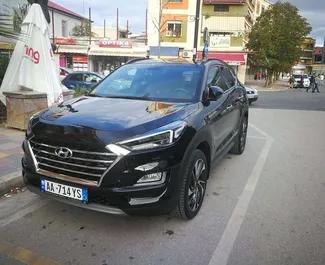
(230, 58)
(223, 2)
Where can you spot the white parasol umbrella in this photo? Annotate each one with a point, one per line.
(32, 65)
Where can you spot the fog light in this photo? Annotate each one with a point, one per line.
(152, 179)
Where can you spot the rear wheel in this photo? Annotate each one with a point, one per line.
(193, 186)
(240, 140)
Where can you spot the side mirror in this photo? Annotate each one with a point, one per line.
(215, 92)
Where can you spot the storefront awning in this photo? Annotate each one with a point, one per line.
(72, 49)
(126, 52)
(230, 58)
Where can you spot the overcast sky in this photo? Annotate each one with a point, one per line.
(134, 11)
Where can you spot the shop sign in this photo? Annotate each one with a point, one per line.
(68, 41)
(80, 59)
(115, 43)
(7, 46)
(219, 41)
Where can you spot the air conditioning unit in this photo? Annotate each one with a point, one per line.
(187, 54)
(169, 33)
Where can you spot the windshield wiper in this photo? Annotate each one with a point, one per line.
(130, 97)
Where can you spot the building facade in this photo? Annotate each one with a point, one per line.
(228, 21)
(305, 65)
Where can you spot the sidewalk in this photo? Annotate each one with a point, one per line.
(10, 158)
(281, 85)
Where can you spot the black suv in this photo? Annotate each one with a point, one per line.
(142, 141)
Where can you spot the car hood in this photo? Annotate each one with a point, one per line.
(250, 89)
(108, 119)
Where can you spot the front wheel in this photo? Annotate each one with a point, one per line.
(193, 186)
(240, 140)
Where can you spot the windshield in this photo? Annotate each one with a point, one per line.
(170, 82)
(299, 76)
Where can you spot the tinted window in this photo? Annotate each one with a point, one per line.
(76, 77)
(168, 82)
(212, 76)
(229, 77)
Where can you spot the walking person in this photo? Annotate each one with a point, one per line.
(315, 87)
(312, 83)
(291, 82)
(322, 79)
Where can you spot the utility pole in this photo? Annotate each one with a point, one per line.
(104, 28)
(196, 30)
(117, 31)
(146, 27)
(159, 28)
(89, 26)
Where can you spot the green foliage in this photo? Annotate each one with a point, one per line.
(4, 61)
(19, 15)
(80, 91)
(277, 37)
(82, 30)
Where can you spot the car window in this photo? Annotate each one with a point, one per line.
(169, 82)
(229, 77)
(76, 77)
(92, 78)
(297, 76)
(212, 75)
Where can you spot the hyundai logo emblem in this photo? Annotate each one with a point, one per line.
(63, 152)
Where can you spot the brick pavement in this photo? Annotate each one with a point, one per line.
(10, 150)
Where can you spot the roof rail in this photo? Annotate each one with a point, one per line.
(137, 60)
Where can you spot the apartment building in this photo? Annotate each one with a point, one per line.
(228, 21)
(305, 65)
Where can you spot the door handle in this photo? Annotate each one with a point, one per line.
(240, 97)
(229, 107)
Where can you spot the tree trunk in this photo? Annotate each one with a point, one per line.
(270, 77)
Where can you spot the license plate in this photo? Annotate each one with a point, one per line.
(251, 96)
(64, 190)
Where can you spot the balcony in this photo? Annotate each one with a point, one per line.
(224, 23)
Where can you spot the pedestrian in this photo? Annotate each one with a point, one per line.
(322, 79)
(291, 82)
(312, 83)
(255, 76)
(259, 75)
(315, 87)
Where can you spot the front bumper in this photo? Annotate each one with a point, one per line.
(116, 194)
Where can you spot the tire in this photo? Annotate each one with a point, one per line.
(240, 140)
(192, 192)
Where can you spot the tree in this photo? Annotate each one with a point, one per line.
(83, 29)
(277, 37)
(157, 23)
(18, 17)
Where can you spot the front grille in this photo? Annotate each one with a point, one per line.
(87, 164)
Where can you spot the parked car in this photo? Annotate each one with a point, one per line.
(82, 79)
(64, 72)
(252, 94)
(142, 141)
(297, 82)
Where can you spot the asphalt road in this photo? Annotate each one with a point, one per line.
(264, 207)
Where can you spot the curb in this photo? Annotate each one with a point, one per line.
(10, 181)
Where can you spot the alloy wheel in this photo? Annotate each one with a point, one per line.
(243, 134)
(197, 185)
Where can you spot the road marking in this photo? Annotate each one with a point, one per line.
(222, 253)
(16, 216)
(23, 255)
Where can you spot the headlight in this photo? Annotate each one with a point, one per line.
(35, 115)
(161, 137)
